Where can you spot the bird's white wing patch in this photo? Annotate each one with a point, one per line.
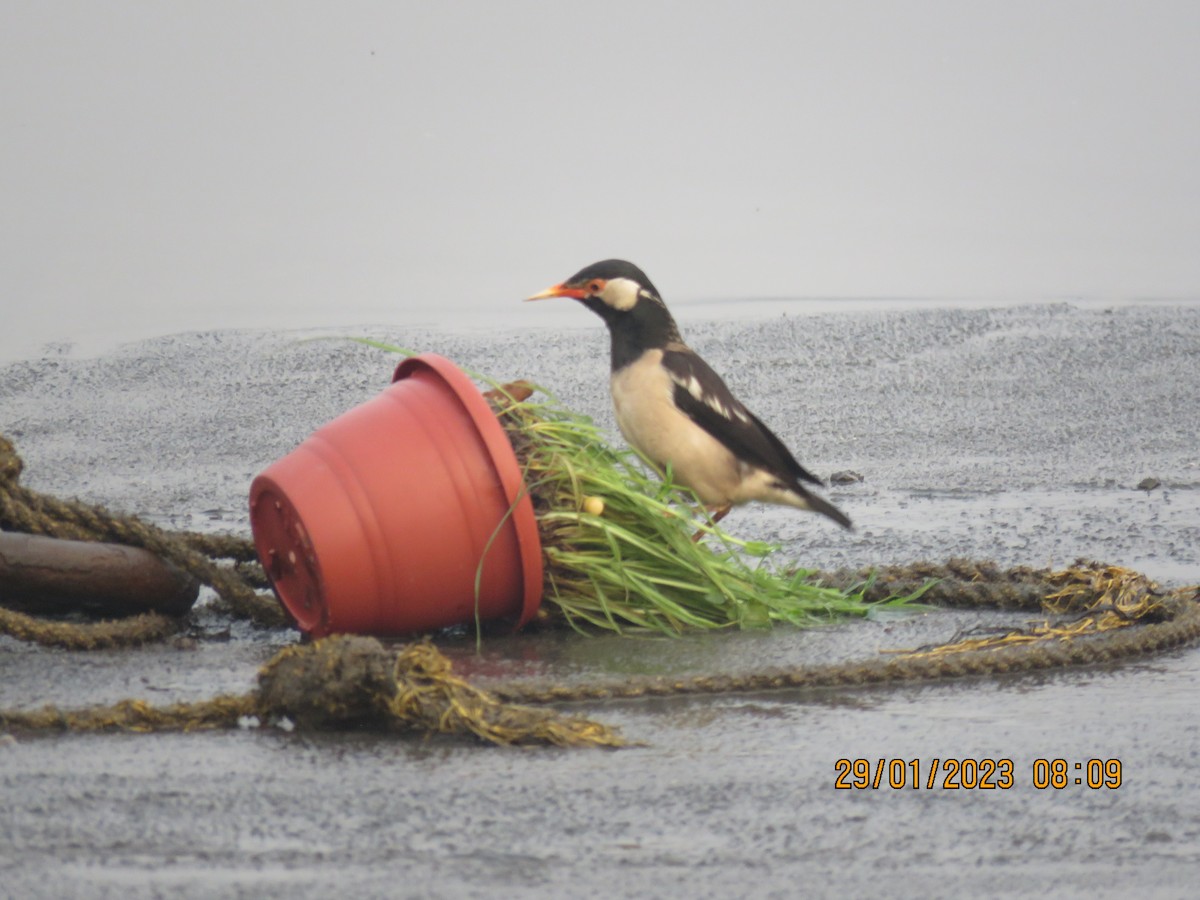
(692, 385)
(706, 400)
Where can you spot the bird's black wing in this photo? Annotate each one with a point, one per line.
(702, 396)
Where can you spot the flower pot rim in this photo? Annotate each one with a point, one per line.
(507, 468)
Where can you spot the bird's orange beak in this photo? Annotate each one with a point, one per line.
(559, 290)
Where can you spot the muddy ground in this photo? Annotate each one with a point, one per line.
(1016, 433)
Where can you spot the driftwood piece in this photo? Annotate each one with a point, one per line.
(48, 576)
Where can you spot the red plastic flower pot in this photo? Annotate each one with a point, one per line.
(405, 514)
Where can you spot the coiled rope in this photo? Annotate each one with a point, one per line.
(1106, 603)
(341, 682)
(1102, 614)
(28, 511)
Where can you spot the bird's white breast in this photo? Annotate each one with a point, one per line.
(648, 418)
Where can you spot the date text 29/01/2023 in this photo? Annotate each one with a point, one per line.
(973, 774)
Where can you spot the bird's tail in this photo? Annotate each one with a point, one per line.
(825, 508)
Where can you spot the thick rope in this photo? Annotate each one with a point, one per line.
(345, 682)
(22, 509)
(342, 682)
(142, 629)
(1109, 598)
(135, 715)
(430, 692)
(956, 583)
(1180, 631)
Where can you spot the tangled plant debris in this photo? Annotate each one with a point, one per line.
(618, 544)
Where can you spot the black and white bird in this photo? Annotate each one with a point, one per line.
(675, 410)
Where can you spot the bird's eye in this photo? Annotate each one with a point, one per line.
(595, 286)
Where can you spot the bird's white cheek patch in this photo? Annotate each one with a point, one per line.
(620, 293)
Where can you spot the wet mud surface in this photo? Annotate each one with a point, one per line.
(1018, 434)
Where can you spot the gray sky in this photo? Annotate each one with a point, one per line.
(167, 166)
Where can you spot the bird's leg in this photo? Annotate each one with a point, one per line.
(715, 515)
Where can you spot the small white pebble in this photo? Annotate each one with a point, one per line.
(248, 722)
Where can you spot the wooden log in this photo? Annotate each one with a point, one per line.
(42, 575)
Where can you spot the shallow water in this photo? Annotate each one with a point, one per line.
(1016, 433)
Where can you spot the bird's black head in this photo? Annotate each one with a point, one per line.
(621, 294)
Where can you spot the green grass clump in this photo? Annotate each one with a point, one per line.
(634, 566)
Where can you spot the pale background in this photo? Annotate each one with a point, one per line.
(173, 166)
